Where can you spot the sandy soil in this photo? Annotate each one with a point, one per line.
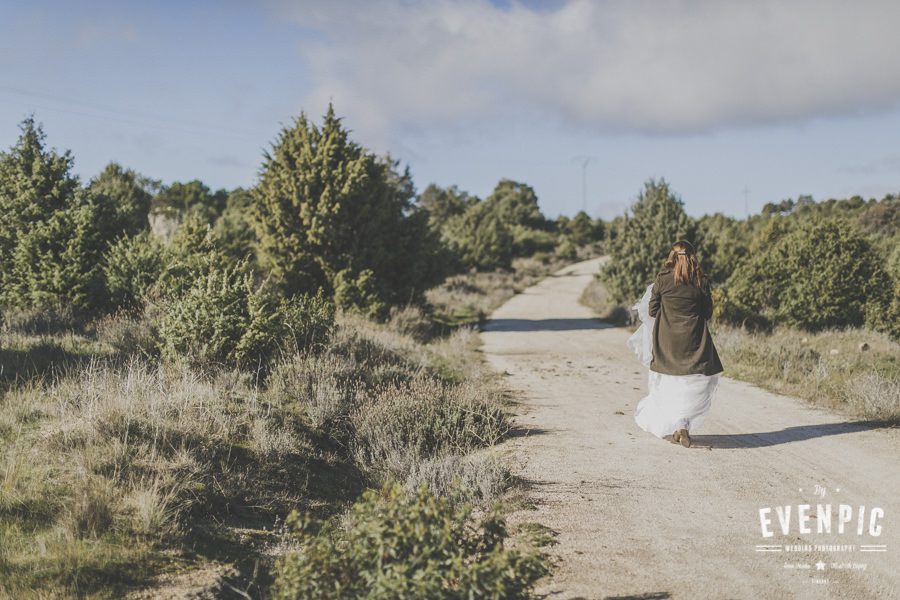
(639, 517)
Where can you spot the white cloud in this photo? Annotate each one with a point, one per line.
(656, 67)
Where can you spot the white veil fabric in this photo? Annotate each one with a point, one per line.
(641, 341)
(673, 401)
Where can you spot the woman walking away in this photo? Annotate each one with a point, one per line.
(685, 367)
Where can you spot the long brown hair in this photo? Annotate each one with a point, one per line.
(683, 262)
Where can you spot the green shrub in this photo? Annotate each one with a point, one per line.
(223, 318)
(893, 262)
(883, 310)
(815, 276)
(527, 241)
(132, 266)
(397, 546)
(567, 248)
(359, 292)
(725, 243)
(480, 239)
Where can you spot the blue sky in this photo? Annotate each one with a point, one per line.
(780, 98)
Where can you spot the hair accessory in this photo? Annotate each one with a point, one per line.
(682, 253)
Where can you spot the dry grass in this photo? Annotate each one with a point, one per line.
(117, 466)
(478, 477)
(469, 298)
(597, 299)
(114, 463)
(402, 425)
(827, 368)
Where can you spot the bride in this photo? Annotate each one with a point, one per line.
(674, 341)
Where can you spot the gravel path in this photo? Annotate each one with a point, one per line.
(638, 517)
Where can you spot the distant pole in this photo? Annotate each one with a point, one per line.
(585, 161)
(746, 205)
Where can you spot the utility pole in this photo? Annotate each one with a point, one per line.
(746, 195)
(585, 161)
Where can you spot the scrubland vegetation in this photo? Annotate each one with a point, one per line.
(198, 382)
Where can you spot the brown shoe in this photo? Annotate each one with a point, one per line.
(681, 436)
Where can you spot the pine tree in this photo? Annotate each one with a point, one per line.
(50, 245)
(34, 183)
(309, 181)
(657, 220)
(324, 206)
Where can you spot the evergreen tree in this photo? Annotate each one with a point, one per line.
(50, 244)
(441, 204)
(123, 199)
(657, 220)
(34, 183)
(480, 239)
(582, 230)
(516, 204)
(324, 206)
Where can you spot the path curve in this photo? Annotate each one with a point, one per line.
(637, 517)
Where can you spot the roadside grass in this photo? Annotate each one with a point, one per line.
(598, 300)
(827, 368)
(467, 299)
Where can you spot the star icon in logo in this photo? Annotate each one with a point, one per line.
(820, 566)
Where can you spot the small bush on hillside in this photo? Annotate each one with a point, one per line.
(479, 477)
(223, 318)
(322, 385)
(397, 546)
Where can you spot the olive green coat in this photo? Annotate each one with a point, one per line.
(681, 341)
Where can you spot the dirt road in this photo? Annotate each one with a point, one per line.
(638, 517)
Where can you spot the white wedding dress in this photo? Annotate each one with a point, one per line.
(673, 401)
